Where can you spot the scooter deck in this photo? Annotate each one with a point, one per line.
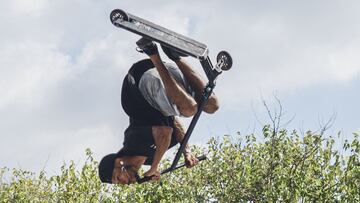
(159, 34)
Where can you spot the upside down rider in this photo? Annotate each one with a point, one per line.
(154, 94)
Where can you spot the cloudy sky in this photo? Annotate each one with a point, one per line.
(62, 64)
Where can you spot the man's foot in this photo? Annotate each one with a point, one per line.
(172, 54)
(190, 160)
(147, 46)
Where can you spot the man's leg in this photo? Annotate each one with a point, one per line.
(193, 78)
(197, 84)
(175, 92)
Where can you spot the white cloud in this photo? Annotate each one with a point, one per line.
(49, 149)
(28, 7)
(279, 48)
(28, 71)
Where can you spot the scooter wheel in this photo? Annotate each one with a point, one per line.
(224, 60)
(118, 14)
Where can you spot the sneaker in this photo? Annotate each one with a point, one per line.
(172, 54)
(147, 46)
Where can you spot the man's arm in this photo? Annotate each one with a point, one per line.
(162, 137)
(180, 133)
(179, 130)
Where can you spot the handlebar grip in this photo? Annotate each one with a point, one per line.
(144, 179)
(201, 158)
(148, 178)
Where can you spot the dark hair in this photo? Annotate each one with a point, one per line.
(106, 167)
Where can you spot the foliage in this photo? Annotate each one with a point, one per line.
(282, 167)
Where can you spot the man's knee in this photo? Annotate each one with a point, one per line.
(211, 107)
(190, 110)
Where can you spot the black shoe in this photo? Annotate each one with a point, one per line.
(172, 54)
(147, 46)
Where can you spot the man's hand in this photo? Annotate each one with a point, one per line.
(190, 160)
(153, 172)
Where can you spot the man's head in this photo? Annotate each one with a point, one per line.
(106, 168)
(113, 170)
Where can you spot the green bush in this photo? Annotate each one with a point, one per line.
(282, 167)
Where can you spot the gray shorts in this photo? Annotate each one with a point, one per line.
(153, 90)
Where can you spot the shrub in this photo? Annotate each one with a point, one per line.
(282, 167)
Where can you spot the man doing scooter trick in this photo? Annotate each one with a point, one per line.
(154, 94)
